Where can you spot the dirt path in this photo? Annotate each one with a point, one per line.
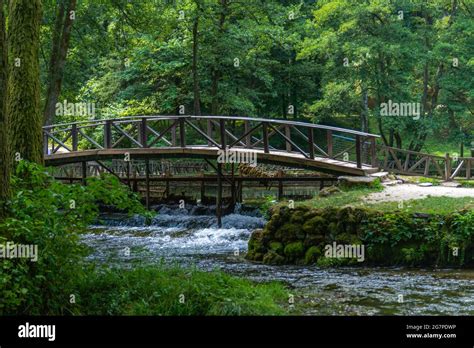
(411, 191)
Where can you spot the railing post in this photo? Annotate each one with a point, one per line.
(427, 166)
(311, 142)
(447, 167)
(288, 135)
(84, 173)
(74, 137)
(45, 142)
(248, 138)
(209, 132)
(182, 139)
(330, 143)
(265, 137)
(373, 152)
(468, 168)
(222, 132)
(358, 153)
(173, 134)
(108, 134)
(144, 133)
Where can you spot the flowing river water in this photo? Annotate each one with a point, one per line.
(190, 237)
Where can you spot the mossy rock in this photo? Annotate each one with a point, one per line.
(289, 233)
(255, 243)
(330, 214)
(332, 262)
(276, 247)
(333, 228)
(314, 240)
(298, 215)
(351, 182)
(312, 255)
(347, 238)
(316, 225)
(272, 258)
(274, 223)
(329, 191)
(254, 256)
(294, 250)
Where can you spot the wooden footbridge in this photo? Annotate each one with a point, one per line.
(325, 149)
(304, 145)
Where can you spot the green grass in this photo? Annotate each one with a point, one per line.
(466, 183)
(336, 200)
(166, 290)
(429, 205)
(355, 197)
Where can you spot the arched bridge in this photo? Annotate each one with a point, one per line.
(289, 143)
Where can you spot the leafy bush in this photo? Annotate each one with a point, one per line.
(50, 215)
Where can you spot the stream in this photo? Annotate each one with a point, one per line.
(190, 237)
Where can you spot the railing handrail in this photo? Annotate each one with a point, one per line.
(236, 118)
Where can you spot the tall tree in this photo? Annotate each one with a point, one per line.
(4, 126)
(23, 101)
(60, 44)
(196, 89)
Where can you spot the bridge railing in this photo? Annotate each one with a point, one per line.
(224, 132)
(417, 163)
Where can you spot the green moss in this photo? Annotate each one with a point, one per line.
(289, 232)
(277, 247)
(294, 250)
(312, 255)
(256, 248)
(316, 225)
(298, 215)
(314, 240)
(272, 258)
(397, 237)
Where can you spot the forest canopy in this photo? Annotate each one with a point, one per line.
(328, 61)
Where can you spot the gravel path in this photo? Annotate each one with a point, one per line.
(410, 191)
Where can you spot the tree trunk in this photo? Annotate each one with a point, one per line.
(23, 100)
(196, 91)
(364, 115)
(60, 46)
(216, 74)
(5, 156)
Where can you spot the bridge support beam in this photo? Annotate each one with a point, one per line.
(147, 183)
(84, 173)
(358, 152)
(219, 195)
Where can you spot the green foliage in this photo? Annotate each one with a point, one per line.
(51, 216)
(165, 290)
(108, 190)
(23, 97)
(388, 237)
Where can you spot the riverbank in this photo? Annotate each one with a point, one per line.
(354, 228)
(55, 217)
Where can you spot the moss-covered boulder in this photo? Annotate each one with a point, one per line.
(272, 258)
(312, 255)
(276, 247)
(329, 191)
(296, 236)
(315, 226)
(289, 232)
(256, 248)
(294, 251)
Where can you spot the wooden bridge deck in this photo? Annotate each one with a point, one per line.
(289, 143)
(326, 165)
